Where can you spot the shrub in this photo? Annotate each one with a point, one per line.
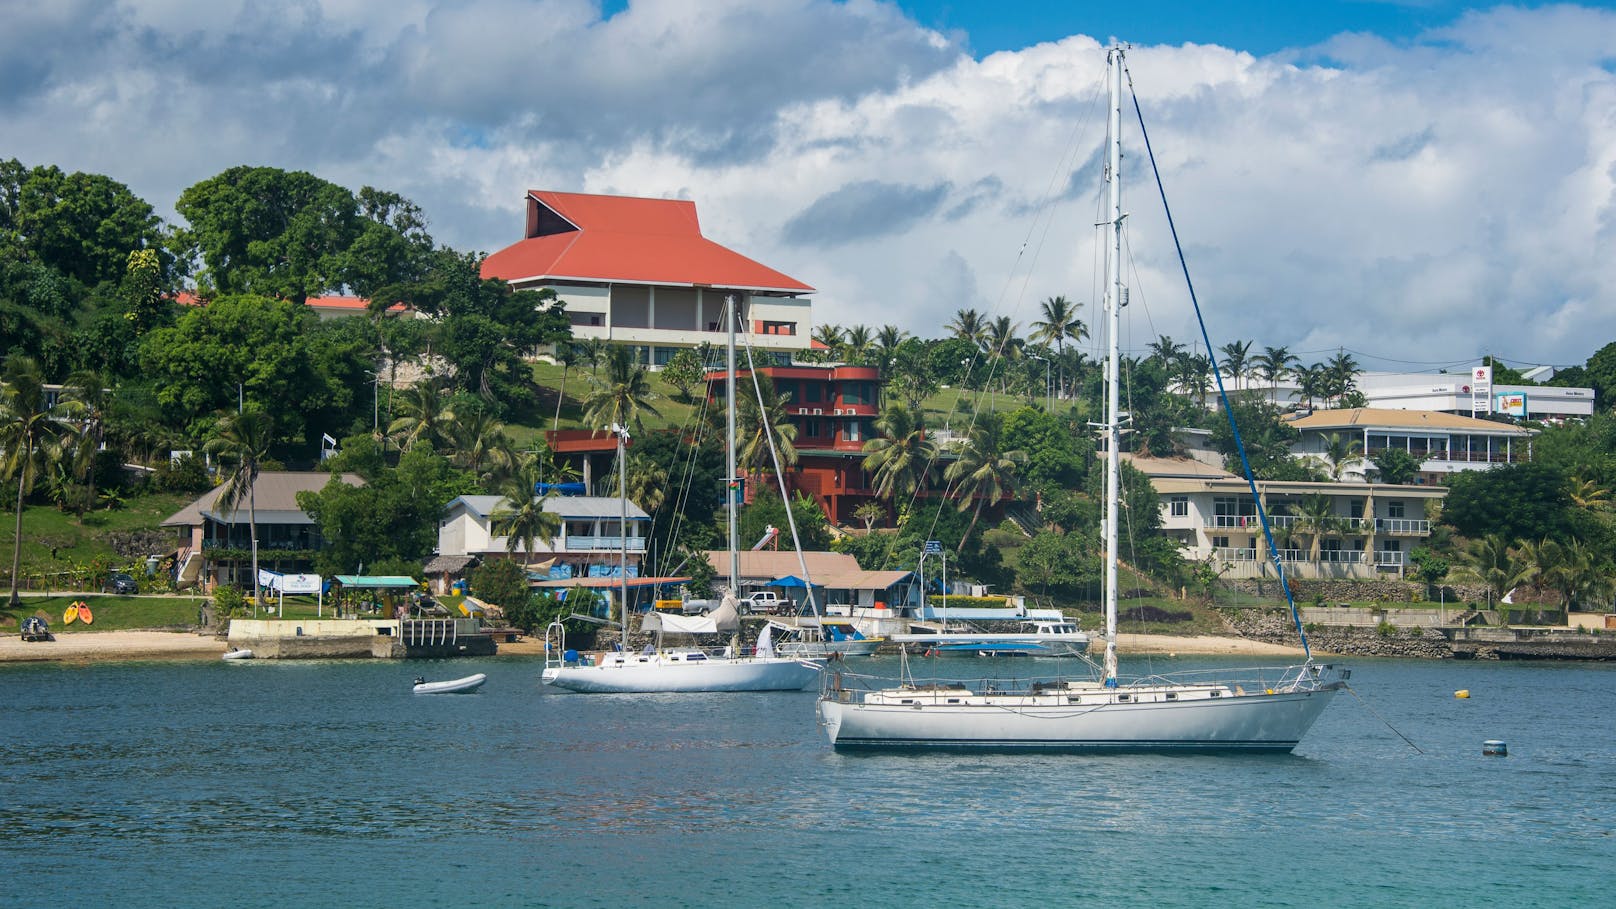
(1386, 629)
(228, 600)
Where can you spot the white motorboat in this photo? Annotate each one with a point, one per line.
(451, 686)
(236, 654)
(657, 669)
(820, 639)
(1100, 711)
(1034, 637)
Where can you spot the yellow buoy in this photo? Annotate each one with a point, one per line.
(1462, 693)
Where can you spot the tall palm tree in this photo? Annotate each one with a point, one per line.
(1586, 493)
(828, 335)
(1318, 518)
(479, 443)
(900, 455)
(1236, 360)
(1272, 365)
(1193, 373)
(754, 423)
(244, 438)
(1494, 560)
(521, 517)
(568, 355)
(646, 483)
(1166, 351)
(423, 416)
(1339, 452)
(1003, 340)
(1312, 382)
(1060, 323)
(624, 396)
(1342, 375)
(968, 325)
(858, 344)
(888, 339)
(985, 474)
(90, 392)
(28, 431)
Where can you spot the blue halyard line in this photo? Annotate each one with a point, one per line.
(1240, 445)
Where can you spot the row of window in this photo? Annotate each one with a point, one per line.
(1235, 506)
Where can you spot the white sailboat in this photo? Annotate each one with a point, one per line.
(685, 669)
(1100, 712)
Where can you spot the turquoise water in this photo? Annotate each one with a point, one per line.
(330, 784)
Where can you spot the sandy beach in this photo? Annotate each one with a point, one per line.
(83, 646)
(172, 645)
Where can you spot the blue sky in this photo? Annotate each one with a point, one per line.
(1419, 183)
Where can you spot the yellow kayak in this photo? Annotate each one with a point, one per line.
(71, 615)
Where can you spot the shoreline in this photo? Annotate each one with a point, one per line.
(94, 646)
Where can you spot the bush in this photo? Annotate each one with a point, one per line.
(501, 582)
(187, 474)
(1385, 629)
(228, 600)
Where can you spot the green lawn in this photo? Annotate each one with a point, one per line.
(110, 613)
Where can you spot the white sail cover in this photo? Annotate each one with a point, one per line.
(727, 617)
(765, 643)
(675, 623)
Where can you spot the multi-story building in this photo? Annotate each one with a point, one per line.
(590, 543)
(1367, 532)
(1442, 443)
(639, 272)
(1467, 393)
(834, 409)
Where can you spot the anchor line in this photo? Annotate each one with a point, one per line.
(1377, 716)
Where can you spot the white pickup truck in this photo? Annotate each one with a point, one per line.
(766, 602)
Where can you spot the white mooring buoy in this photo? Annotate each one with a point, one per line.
(1495, 748)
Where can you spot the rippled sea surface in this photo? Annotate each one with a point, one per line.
(330, 784)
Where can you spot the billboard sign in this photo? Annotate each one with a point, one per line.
(1510, 403)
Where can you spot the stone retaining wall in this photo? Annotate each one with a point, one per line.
(1343, 591)
(1274, 626)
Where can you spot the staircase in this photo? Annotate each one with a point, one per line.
(1025, 519)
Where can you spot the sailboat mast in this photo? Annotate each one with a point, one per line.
(732, 481)
(622, 529)
(1113, 306)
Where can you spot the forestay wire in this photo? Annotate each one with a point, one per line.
(1240, 445)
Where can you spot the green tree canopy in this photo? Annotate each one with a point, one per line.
(1516, 501)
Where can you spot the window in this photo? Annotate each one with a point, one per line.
(850, 431)
(812, 392)
(1220, 542)
(1178, 506)
(1356, 509)
(1394, 509)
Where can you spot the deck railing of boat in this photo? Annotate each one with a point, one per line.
(846, 687)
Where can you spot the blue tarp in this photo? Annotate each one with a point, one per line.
(790, 580)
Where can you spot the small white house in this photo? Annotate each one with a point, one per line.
(591, 534)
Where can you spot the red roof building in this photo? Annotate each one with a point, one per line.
(639, 272)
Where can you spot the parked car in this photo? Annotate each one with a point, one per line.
(121, 584)
(765, 602)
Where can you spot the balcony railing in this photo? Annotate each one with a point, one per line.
(1235, 554)
(1389, 557)
(1403, 527)
(595, 544)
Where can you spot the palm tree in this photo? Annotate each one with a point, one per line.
(423, 416)
(901, 455)
(1317, 514)
(244, 438)
(1342, 373)
(1166, 351)
(754, 423)
(1339, 452)
(480, 444)
(646, 483)
(968, 325)
(1273, 364)
(593, 350)
(1236, 360)
(1002, 339)
(28, 430)
(829, 335)
(1494, 561)
(1194, 375)
(89, 390)
(568, 355)
(984, 473)
(1060, 323)
(1312, 382)
(1589, 494)
(521, 517)
(856, 348)
(624, 396)
(888, 339)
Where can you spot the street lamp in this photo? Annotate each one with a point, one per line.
(1048, 405)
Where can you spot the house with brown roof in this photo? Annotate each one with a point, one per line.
(1366, 532)
(836, 576)
(213, 544)
(639, 272)
(1442, 443)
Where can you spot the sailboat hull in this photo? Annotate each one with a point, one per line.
(1254, 723)
(653, 675)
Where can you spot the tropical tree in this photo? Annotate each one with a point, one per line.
(28, 430)
(856, 347)
(870, 512)
(1340, 451)
(244, 438)
(829, 335)
(646, 483)
(423, 416)
(984, 474)
(1059, 323)
(568, 355)
(624, 396)
(1166, 351)
(685, 372)
(900, 455)
(755, 421)
(1312, 382)
(1272, 365)
(889, 338)
(90, 391)
(521, 517)
(478, 443)
(1003, 340)
(1317, 513)
(1494, 562)
(968, 325)
(1586, 493)
(1342, 375)
(1396, 466)
(1236, 360)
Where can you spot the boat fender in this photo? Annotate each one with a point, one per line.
(1462, 693)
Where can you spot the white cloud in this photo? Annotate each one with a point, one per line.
(1424, 201)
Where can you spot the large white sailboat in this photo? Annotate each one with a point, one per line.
(1267, 710)
(682, 669)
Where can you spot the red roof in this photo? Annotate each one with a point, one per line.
(622, 239)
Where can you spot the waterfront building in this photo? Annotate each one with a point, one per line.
(589, 544)
(1467, 393)
(1367, 531)
(1442, 443)
(638, 272)
(214, 546)
(838, 580)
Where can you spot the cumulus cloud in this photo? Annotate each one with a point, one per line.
(1429, 200)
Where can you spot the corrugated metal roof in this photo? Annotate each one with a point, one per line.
(770, 564)
(1383, 418)
(275, 493)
